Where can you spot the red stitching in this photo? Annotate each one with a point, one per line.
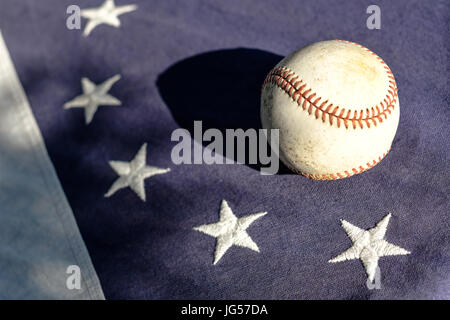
(341, 175)
(288, 81)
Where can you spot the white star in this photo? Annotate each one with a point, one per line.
(93, 96)
(107, 13)
(230, 231)
(368, 245)
(132, 174)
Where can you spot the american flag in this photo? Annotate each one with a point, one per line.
(89, 100)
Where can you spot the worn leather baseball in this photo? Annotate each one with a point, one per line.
(336, 106)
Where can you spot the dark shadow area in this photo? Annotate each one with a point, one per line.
(221, 88)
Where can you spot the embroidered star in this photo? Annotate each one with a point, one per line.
(93, 96)
(368, 246)
(132, 174)
(230, 230)
(107, 13)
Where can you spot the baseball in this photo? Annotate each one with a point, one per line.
(336, 107)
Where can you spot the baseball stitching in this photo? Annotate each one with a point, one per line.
(286, 79)
(340, 175)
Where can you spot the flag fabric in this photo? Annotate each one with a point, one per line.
(107, 98)
(40, 244)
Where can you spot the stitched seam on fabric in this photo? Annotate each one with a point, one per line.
(55, 198)
(24, 113)
(341, 175)
(286, 79)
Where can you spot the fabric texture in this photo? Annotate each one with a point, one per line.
(206, 60)
(39, 238)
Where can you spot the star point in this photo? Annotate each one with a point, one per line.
(94, 96)
(107, 13)
(368, 245)
(132, 174)
(230, 230)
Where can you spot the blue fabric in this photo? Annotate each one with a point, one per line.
(206, 60)
(39, 239)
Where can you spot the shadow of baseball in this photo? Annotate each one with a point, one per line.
(220, 88)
